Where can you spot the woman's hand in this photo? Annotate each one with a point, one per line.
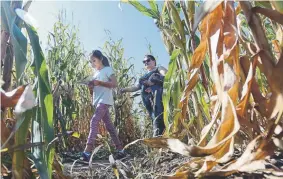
(112, 83)
(90, 85)
(93, 83)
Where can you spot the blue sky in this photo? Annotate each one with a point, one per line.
(94, 17)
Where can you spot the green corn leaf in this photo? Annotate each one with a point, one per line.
(167, 86)
(265, 4)
(20, 139)
(4, 22)
(38, 152)
(176, 89)
(76, 135)
(278, 5)
(148, 12)
(19, 41)
(177, 20)
(20, 49)
(45, 119)
(153, 6)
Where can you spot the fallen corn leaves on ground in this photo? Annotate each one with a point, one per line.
(157, 164)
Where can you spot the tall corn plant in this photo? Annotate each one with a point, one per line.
(125, 120)
(41, 116)
(72, 102)
(221, 46)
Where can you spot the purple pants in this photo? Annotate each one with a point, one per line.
(102, 112)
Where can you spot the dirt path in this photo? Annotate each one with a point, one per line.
(155, 164)
(150, 165)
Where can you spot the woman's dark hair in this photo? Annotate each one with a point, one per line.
(151, 58)
(99, 55)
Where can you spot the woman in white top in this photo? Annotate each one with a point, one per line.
(101, 89)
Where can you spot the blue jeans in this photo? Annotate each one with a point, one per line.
(154, 106)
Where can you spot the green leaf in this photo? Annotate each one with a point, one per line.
(19, 41)
(204, 107)
(20, 49)
(176, 91)
(20, 139)
(4, 22)
(153, 6)
(45, 119)
(176, 20)
(167, 85)
(38, 152)
(76, 135)
(143, 9)
(265, 4)
(278, 5)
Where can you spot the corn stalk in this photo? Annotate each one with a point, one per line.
(41, 116)
(125, 120)
(72, 101)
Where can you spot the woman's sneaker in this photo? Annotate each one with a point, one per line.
(85, 156)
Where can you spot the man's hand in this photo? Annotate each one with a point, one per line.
(156, 79)
(148, 83)
(148, 90)
(154, 76)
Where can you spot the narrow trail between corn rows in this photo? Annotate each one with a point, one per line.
(150, 166)
(154, 164)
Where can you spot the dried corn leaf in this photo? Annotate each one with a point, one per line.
(251, 160)
(226, 86)
(229, 126)
(10, 99)
(242, 106)
(206, 8)
(179, 175)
